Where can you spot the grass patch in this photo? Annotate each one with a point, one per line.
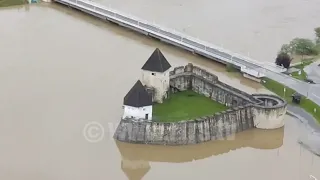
(305, 103)
(7, 3)
(303, 76)
(185, 105)
(304, 63)
(277, 88)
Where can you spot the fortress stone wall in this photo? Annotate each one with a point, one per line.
(207, 84)
(270, 113)
(246, 111)
(219, 126)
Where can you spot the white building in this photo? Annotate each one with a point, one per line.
(155, 74)
(138, 103)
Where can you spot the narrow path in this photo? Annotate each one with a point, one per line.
(310, 134)
(312, 91)
(304, 116)
(313, 71)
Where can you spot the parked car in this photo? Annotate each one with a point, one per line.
(310, 81)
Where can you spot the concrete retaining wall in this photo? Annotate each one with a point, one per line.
(217, 127)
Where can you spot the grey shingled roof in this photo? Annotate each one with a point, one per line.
(156, 62)
(137, 96)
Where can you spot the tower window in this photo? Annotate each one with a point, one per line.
(153, 74)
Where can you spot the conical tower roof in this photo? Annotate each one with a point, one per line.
(137, 96)
(156, 62)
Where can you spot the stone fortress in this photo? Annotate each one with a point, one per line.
(264, 111)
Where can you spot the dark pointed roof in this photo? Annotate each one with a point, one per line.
(156, 62)
(137, 96)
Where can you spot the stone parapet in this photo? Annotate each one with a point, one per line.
(263, 111)
(219, 126)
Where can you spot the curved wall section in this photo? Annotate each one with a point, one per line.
(269, 114)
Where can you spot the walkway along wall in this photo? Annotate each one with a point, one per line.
(246, 111)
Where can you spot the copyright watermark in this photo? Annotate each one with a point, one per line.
(93, 132)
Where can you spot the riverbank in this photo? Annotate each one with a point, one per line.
(298, 68)
(7, 3)
(286, 92)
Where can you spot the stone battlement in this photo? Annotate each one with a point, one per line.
(219, 126)
(246, 111)
(207, 84)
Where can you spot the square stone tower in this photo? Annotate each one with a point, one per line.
(155, 74)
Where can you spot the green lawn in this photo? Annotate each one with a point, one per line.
(185, 105)
(6, 3)
(304, 63)
(306, 104)
(303, 76)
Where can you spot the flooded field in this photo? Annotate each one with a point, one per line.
(60, 69)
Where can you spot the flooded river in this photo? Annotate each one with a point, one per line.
(60, 69)
(256, 28)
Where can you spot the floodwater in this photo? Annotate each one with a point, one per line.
(256, 28)
(60, 69)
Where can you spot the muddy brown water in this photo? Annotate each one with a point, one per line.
(60, 69)
(256, 28)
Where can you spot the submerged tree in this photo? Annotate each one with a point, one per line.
(302, 46)
(286, 48)
(283, 59)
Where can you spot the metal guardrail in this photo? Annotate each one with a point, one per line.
(174, 37)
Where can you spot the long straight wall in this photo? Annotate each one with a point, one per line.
(220, 126)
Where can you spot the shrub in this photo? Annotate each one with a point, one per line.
(283, 59)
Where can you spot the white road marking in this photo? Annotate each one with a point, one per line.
(316, 96)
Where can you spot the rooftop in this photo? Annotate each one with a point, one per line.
(137, 96)
(156, 62)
